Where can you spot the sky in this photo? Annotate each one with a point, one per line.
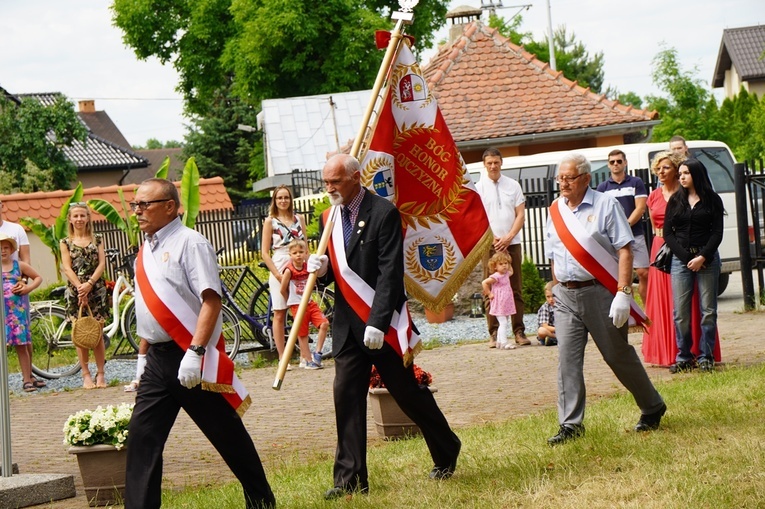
(70, 46)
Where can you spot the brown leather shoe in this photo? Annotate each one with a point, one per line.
(521, 339)
(492, 343)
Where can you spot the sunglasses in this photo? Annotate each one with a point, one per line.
(616, 161)
(78, 204)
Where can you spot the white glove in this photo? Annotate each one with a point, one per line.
(373, 338)
(620, 309)
(317, 264)
(140, 365)
(190, 370)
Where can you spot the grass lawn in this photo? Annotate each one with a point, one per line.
(708, 453)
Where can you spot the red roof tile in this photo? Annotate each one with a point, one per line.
(46, 206)
(487, 88)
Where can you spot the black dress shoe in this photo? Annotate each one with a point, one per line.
(567, 432)
(443, 473)
(650, 422)
(339, 492)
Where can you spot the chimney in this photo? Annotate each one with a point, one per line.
(460, 17)
(87, 106)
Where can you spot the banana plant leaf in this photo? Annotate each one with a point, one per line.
(163, 169)
(190, 193)
(129, 225)
(60, 227)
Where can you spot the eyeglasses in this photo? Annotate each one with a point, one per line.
(567, 180)
(143, 205)
(616, 161)
(78, 204)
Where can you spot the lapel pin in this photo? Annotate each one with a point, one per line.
(361, 224)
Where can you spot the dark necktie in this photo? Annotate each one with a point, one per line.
(347, 225)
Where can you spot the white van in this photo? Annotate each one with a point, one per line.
(715, 155)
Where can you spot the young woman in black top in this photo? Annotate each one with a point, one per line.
(693, 229)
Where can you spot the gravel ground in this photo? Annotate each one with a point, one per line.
(121, 371)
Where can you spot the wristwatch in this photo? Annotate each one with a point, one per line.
(626, 289)
(197, 349)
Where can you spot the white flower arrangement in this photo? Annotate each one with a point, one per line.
(100, 426)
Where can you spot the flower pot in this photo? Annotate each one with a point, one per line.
(391, 422)
(103, 473)
(444, 315)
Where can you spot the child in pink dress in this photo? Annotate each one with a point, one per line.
(497, 287)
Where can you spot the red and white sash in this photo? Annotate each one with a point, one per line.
(180, 322)
(590, 254)
(360, 296)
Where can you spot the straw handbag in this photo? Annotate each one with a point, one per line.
(86, 330)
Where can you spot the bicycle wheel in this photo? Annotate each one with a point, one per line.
(54, 355)
(129, 324)
(259, 311)
(231, 331)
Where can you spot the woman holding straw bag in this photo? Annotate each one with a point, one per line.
(83, 262)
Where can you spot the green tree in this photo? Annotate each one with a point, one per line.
(222, 150)
(266, 49)
(154, 144)
(740, 116)
(689, 108)
(33, 137)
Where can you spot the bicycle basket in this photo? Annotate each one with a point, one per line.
(86, 330)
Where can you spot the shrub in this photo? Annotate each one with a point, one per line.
(533, 286)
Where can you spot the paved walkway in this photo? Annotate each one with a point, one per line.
(475, 385)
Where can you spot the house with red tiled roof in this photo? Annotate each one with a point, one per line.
(46, 206)
(740, 62)
(494, 93)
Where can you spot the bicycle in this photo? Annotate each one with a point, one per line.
(258, 313)
(52, 332)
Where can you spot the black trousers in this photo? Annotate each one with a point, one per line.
(352, 367)
(160, 397)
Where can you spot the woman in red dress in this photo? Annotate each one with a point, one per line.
(659, 345)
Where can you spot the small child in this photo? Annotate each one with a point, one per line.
(546, 319)
(294, 278)
(497, 287)
(17, 308)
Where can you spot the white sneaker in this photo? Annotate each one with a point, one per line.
(302, 363)
(508, 346)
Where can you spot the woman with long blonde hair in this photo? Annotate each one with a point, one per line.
(83, 262)
(279, 229)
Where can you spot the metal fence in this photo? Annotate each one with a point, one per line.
(237, 233)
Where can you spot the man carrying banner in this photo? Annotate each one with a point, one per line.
(505, 206)
(589, 243)
(371, 326)
(178, 311)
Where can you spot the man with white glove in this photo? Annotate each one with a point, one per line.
(178, 312)
(589, 243)
(373, 338)
(366, 260)
(620, 309)
(190, 370)
(318, 264)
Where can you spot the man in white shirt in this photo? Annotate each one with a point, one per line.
(505, 206)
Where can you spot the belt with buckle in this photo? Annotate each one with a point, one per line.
(694, 250)
(573, 285)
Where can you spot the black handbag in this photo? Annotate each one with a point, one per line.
(663, 260)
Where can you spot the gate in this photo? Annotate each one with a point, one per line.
(749, 181)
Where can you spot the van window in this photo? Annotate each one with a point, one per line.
(719, 164)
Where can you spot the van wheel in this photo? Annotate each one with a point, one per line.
(722, 282)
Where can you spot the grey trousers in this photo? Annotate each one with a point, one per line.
(579, 312)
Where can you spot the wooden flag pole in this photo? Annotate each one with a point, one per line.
(390, 54)
(289, 347)
(395, 39)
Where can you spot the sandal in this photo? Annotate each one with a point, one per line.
(101, 381)
(29, 387)
(38, 383)
(87, 382)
